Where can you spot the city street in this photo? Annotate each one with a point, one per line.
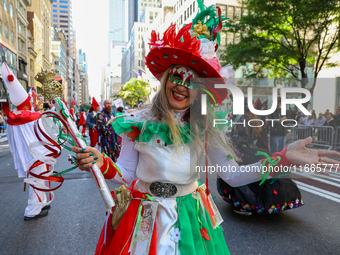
(77, 215)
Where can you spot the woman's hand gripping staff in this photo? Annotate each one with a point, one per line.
(63, 112)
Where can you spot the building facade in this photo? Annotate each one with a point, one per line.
(8, 42)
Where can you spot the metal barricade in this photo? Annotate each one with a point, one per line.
(323, 136)
(336, 144)
(3, 131)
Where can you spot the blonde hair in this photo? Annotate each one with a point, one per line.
(161, 110)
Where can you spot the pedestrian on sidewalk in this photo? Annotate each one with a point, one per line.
(20, 134)
(2, 122)
(82, 122)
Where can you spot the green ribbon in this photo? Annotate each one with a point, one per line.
(271, 162)
(65, 171)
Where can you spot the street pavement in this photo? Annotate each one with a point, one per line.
(77, 215)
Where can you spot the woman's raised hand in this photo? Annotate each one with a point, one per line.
(87, 157)
(298, 154)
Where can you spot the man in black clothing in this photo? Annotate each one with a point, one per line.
(277, 131)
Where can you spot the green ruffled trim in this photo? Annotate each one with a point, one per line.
(150, 129)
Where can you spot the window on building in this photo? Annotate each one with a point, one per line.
(63, 6)
(55, 15)
(55, 5)
(20, 29)
(55, 11)
(63, 16)
(230, 12)
(64, 2)
(238, 13)
(64, 21)
(230, 38)
(63, 26)
(193, 7)
(6, 32)
(63, 11)
(190, 9)
(12, 37)
(223, 10)
(5, 5)
(223, 38)
(11, 10)
(54, 1)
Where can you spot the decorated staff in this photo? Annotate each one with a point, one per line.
(67, 121)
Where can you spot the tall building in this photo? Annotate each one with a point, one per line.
(62, 19)
(59, 50)
(133, 58)
(39, 30)
(21, 10)
(83, 91)
(117, 23)
(8, 42)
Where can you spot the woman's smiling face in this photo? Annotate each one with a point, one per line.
(179, 96)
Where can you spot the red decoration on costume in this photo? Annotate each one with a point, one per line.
(111, 170)
(72, 110)
(94, 104)
(10, 77)
(22, 117)
(27, 102)
(133, 134)
(82, 119)
(205, 234)
(275, 192)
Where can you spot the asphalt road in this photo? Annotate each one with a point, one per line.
(77, 215)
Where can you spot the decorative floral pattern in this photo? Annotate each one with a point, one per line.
(175, 235)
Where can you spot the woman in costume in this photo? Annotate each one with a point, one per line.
(162, 145)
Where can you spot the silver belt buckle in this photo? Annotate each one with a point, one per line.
(160, 189)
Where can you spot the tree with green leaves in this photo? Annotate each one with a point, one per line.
(134, 91)
(283, 38)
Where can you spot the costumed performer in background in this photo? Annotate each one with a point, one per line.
(170, 211)
(91, 122)
(20, 134)
(82, 122)
(109, 142)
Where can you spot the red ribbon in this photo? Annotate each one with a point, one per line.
(55, 152)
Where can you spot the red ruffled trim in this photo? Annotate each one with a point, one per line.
(24, 117)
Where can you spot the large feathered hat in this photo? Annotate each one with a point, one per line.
(194, 45)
